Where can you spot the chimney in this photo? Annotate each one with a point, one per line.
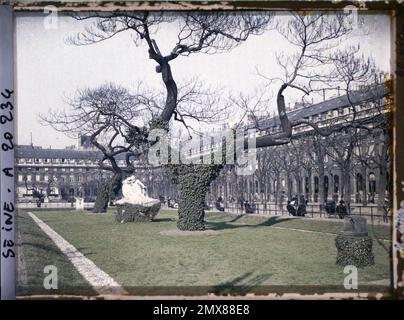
(323, 94)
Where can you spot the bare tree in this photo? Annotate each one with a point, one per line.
(262, 174)
(36, 194)
(301, 164)
(319, 66)
(106, 114)
(197, 32)
(307, 163)
(317, 156)
(340, 149)
(371, 152)
(276, 162)
(117, 123)
(315, 66)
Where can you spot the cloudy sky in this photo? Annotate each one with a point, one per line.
(49, 69)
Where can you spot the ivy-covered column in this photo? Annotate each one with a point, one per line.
(190, 206)
(193, 183)
(101, 202)
(108, 190)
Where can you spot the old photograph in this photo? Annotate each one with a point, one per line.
(194, 153)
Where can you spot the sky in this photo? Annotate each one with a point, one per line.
(49, 69)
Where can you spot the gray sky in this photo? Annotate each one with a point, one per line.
(48, 69)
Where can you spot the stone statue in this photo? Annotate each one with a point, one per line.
(135, 205)
(135, 192)
(79, 203)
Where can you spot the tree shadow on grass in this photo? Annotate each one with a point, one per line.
(241, 285)
(86, 251)
(53, 248)
(238, 217)
(221, 225)
(34, 234)
(164, 220)
(40, 246)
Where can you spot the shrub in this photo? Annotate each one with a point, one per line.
(136, 213)
(356, 251)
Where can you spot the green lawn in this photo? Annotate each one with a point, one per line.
(35, 251)
(251, 254)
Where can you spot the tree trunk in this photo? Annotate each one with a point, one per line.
(116, 185)
(310, 191)
(193, 184)
(348, 193)
(108, 190)
(191, 200)
(277, 188)
(298, 187)
(347, 188)
(289, 184)
(261, 190)
(365, 186)
(267, 189)
(321, 175)
(383, 182)
(171, 92)
(101, 202)
(381, 191)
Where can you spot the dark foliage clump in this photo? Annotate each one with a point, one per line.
(136, 213)
(355, 251)
(193, 182)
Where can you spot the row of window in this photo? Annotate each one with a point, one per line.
(62, 161)
(56, 169)
(72, 178)
(359, 182)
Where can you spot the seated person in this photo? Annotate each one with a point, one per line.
(291, 207)
(341, 209)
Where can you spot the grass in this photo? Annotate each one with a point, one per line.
(35, 251)
(251, 254)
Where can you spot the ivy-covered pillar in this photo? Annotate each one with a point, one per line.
(107, 191)
(193, 184)
(101, 202)
(192, 193)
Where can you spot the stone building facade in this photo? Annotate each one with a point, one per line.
(61, 174)
(292, 170)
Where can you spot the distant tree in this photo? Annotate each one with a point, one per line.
(105, 114)
(301, 163)
(372, 153)
(318, 155)
(38, 195)
(262, 174)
